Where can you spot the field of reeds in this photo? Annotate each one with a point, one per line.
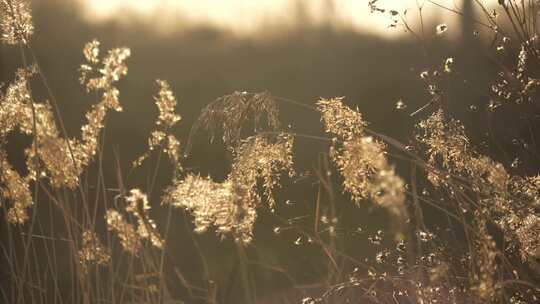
(459, 214)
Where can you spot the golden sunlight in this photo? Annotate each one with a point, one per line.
(246, 17)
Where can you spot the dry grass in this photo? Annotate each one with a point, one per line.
(490, 252)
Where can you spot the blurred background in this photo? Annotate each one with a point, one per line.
(296, 49)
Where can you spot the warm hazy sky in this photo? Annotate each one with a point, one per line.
(246, 17)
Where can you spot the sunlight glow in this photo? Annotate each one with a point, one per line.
(247, 17)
